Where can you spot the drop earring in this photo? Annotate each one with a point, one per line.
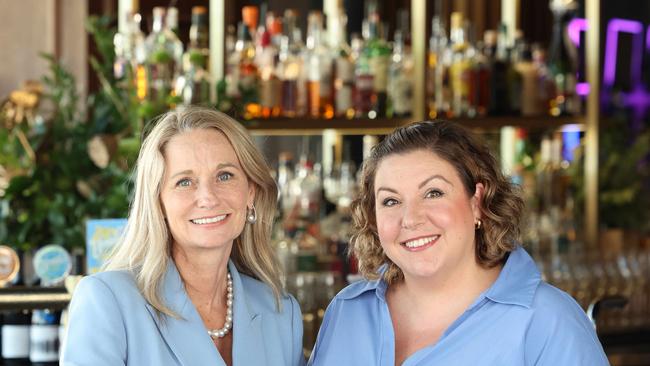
(251, 216)
(478, 224)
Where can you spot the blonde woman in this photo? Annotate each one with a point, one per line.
(193, 280)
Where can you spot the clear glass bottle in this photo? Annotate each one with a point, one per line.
(459, 71)
(438, 89)
(380, 54)
(400, 79)
(319, 69)
(290, 68)
(363, 77)
(248, 82)
(199, 46)
(164, 60)
(270, 87)
(343, 71)
(479, 97)
(193, 86)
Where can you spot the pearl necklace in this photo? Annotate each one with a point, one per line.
(220, 333)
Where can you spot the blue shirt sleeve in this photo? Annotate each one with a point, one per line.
(96, 335)
(560, 333)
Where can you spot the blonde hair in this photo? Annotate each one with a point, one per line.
(501, 204)
(145, 247)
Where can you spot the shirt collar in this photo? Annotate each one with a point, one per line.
(515, 285)
(517, 281)
(176, 297)
(360, 287)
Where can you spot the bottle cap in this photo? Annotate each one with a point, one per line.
(250, 15)
(9, 265)
(52, 264)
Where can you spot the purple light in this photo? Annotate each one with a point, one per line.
(577, 25)
(637, 97)
(613, 28)
(639, 100)
(582, 89)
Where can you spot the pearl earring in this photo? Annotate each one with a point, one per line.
(251, 217)
(478, 224)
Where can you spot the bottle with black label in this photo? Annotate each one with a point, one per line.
(44, 338)
(15, 338)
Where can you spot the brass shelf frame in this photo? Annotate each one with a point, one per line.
(383, 126)
(30, 298)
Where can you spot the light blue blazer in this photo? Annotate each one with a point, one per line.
(110, 323)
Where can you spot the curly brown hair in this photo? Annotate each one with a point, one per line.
(501, 205)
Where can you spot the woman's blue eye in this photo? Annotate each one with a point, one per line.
(225, 176)
(183, 183)
(388, 202)
(434, 193)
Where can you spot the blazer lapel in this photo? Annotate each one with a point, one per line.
(248, 339)
(186, 337)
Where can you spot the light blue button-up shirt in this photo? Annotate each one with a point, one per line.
(519, 320)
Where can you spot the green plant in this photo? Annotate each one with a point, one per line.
(623, 176)
(62, 187)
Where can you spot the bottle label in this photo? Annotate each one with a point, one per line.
(379, 68)
(343, 99)
(15, 341)
(44, 343)
(402, 95)
(344, 70)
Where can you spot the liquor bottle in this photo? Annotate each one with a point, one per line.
(44, 338)
(199, 46)
(265, 59)
(479, 92)
(270, 87)
(499, 93)
(459, 69)
(290, 68)
(319, 69)
(15, 338)
(438, 90)
(130, 55)
(380, 54)
(530, 91)
(343, 71)
(286, 251)
(562, 61)
(545, 86)
(514, 75)
(171, 20)
(250, 16)
(400, 79)
(230, 82)
(248, 83)
(363, 77)
(193, 86)
(164, 60)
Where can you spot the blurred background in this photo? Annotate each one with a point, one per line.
(558, 89)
